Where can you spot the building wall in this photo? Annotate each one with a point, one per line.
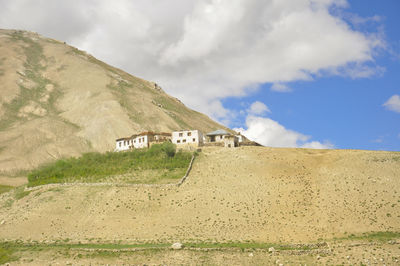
(122, 145)
(140, 142)
(231, 142)
(187, 137)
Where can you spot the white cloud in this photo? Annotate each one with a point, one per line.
(258, 108)
(270, 133)
(378, 140)
(202, 51)
(393, 103)
(279, 87)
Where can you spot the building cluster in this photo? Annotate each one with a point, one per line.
(183, 139)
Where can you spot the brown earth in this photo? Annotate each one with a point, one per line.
(57, 101)
(259, 194)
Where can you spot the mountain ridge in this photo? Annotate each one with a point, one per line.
(58, 101)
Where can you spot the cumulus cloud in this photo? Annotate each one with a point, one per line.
(393, 104)
(258, 108)
(270, 133)
(212, 49)
(279, 87)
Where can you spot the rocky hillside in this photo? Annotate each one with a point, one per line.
(56, 101)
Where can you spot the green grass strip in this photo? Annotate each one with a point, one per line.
(92, 166)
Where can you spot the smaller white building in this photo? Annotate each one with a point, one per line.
(188, 137)
(122, 144)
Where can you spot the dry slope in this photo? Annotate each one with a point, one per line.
(56, 100)
(258, 194)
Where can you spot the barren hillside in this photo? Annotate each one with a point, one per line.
(259, 194)
(56, 101)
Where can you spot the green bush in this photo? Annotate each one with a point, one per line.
(169, 149)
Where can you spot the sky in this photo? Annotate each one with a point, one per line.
(304, 73)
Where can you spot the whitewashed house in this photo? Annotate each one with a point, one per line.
(188, 137)
(142, 140)
(122, 144)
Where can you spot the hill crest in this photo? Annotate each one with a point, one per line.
(57, 101)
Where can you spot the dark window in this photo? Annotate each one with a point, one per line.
(194, 140)
(178, 141)
(189, 133)
(180, 134)
(184, 141)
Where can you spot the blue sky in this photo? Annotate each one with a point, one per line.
(304, 73)
(348, 112)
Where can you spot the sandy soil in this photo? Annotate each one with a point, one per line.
(13, 181)
(250, 193)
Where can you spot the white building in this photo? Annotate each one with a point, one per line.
(122, 144)
(140, 141)
(188, 137)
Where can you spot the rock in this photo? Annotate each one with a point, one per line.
(318, 257)
(177, 245)
(271, 249)
(277, 261)
(22, 73)
(2, 222)
(251, 255)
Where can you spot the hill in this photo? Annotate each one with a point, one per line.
(232, 196)
(57, 101)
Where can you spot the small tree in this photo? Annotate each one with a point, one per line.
(169, 149)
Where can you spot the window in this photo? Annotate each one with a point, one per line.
(180, 134)
(184, 140)
(120, 144)
(189, 134)
(178, 141)
(194, 140)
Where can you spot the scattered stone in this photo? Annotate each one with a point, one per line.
(348, 257)
(271, 249)
(44, 99)
(2, 222)
(32, 108)
(49, 87)
(318, 257)
(277, 261)
(177, 245)
(22, 73)
(251, 255)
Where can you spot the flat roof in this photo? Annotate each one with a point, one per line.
(218, 132)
